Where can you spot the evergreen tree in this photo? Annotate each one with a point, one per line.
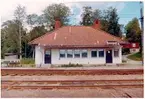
(87, 18)
(110, 22)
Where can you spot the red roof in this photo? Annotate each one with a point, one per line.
(131, 45)
(75, 36)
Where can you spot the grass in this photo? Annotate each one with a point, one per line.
(136, 57)
(72, 65)
(28, 62)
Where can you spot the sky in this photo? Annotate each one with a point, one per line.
(125, 10)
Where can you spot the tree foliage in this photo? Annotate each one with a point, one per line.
(87, 16)
(32, 19)
(20, 13)
(35, 20)
(36, 32)
(133, 30)
(97, 14)
(56, 11)
(10, 36)
(110, 21)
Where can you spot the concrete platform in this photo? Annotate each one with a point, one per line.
(85, 67)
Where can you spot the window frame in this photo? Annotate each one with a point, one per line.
(99, 53)
(96, 52)
(68, 53)
(117, 51)
(79, 53)
(64, 53)
(84, 52)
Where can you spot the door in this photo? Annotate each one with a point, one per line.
(109, 56)
(48, 57)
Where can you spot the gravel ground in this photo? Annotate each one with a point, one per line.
(73, 93)
(127, 66)
(73, 77)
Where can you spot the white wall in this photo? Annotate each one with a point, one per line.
(117, 60)
(55, 59)
(134, 50)
(89, 60)
(39, 55)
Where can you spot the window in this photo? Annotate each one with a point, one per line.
(69, 53)
(47, 52)
(76, 53)
(116, 53)
(62, 53)
(94, 53)
(133, 45)
(101, 53)
(84, 53)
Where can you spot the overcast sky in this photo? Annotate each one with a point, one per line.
(126, 10)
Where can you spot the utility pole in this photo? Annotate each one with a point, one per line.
(20, 37)
(142, 27)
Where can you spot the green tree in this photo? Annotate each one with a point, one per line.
(20, 15)
(3, 39)
(41, 20)
(56, 11)
(97, 14)
(133, 32)
(10, 36)
(110, 21)
(36, 32)
(32, 19)
(87, 16)
(35, 20)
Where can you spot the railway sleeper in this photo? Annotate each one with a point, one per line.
(78, 86)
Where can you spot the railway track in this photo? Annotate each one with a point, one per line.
(24, 72)
(70, 84)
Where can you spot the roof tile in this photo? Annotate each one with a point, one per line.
(75, 36)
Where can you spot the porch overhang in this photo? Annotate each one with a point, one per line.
(80, 47)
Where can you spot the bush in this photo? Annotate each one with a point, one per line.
(27, 61)
(72, 65)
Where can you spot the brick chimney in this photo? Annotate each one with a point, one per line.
(57, 24)
(96, 24)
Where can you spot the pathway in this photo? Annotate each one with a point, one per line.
(129, 61)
